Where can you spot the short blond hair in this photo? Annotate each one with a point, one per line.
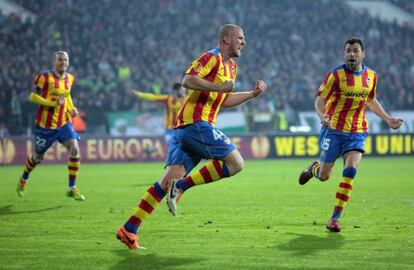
(59, 53)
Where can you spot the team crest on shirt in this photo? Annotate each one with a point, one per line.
(198, 67)
(368, 80)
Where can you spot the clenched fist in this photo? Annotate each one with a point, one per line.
(259, 87)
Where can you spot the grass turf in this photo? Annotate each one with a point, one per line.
(259, 219)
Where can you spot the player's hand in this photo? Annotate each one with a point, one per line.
(134, 92)
(326, 121)
(60, 101)
(259, 87)
(395, 123)
(227, 86)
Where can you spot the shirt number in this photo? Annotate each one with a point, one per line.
(40, 142)
(218, 135)
(325, 144)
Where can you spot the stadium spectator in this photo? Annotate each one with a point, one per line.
(121, 38)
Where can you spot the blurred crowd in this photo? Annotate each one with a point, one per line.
(147, 45)
(407, 5)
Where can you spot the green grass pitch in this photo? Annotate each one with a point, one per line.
(259, 219)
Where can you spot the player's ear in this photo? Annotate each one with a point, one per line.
(226, 40)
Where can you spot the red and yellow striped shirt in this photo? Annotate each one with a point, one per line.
(172, 106)
(205, 105)
(346, 93)
(51, 87)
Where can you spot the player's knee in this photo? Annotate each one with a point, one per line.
(324, 176)
(236, 166)
(74, 151)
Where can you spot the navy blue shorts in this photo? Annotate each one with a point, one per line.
(333, 143)
(197, 141)
(169, 133)
(45, 137)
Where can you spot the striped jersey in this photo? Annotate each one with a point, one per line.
(205, 105)
(172, 106)
(51, 87)
(346, 93)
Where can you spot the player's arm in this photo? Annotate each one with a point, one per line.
(234, 99)
(376, 107)
(320, 105)
(194, 82)
(39, 100)
(148, 96)
(195, 75)
(71, 108)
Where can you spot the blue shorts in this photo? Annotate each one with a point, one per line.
(169, 133)
(196, 141)
(333, 143)
(45, 137)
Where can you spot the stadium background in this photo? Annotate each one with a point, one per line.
(260, 219)
(118, 45)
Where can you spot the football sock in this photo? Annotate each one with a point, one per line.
(73, 167)
(212, 171)
(344, 191)
(315, 170)
(148, 203)
(28, 167)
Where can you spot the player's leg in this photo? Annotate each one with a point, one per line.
(73, 168)
(213, 170)
(210, 143)
(178, 163)
(31, 162)
(69, 138)
(344, 190)
(352, 153)
(330, 150)
(149, 201)
(42, 140)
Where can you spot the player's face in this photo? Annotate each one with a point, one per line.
(61, 63)
(354, 55)
(237, 42)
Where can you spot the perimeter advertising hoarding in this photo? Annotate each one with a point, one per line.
(144, 149)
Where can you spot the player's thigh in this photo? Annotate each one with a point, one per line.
(353, 148)
(42, 140)
(180, 156)
(330, 145)
(69, 138)
(205, 140)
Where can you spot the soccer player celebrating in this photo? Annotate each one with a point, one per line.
(340, 104)
(53, 121)
(172, 106)
(210, 80)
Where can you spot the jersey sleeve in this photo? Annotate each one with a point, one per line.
(373, 92)
(328, 86)
(202, 66)
(152, 97)
(39, 83)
